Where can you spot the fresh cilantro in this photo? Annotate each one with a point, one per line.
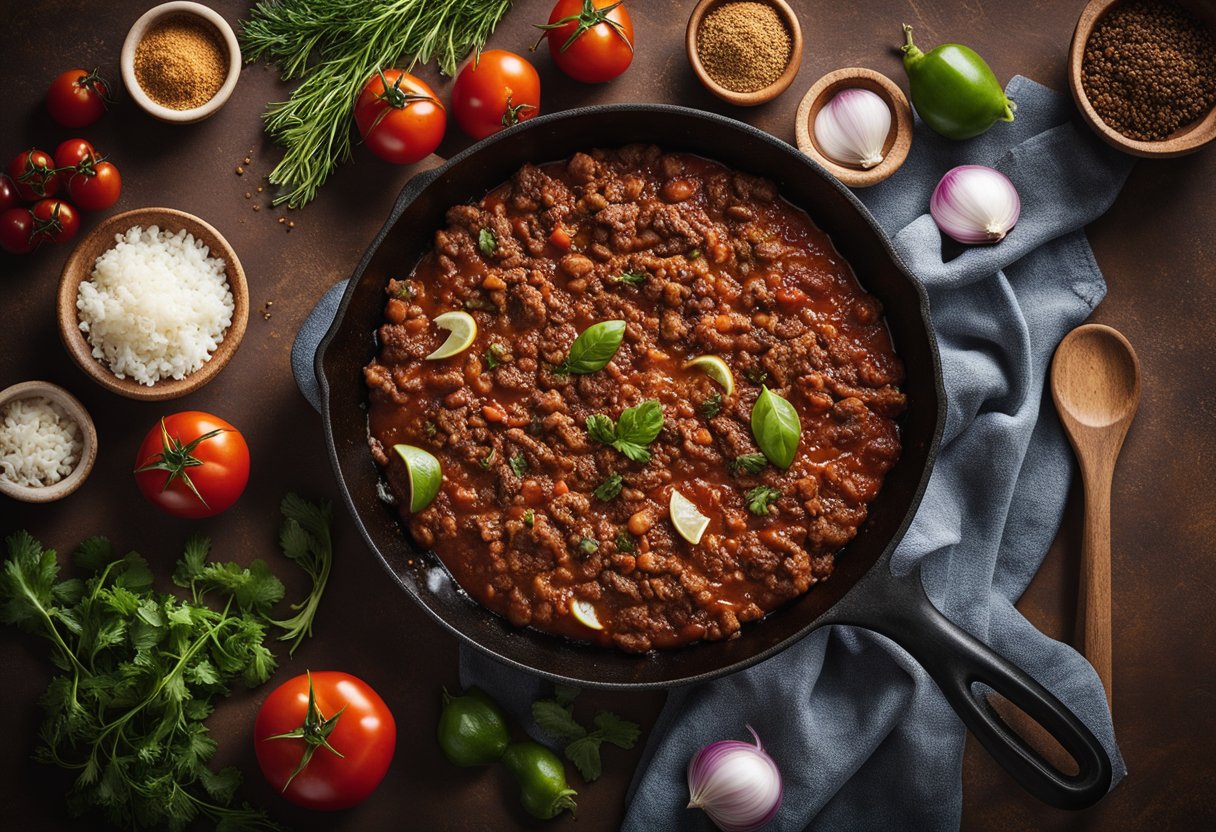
(487, 460)
(487, 242)
(749, 463)
(624, 542)
(588, 546)
(431, 428)
(609, 488)
(480, 305)
(760, 498)
(756, 374)
(529, 518)
(496, 355)
(138, 670)
(631, 278)
(694, 254)
(637, 428)
(712, 406)
(519, 464)
(555, 717)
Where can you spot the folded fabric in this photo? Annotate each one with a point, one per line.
(862, 735)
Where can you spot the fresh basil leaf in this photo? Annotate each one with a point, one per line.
(640, 425)
(487, 242)
(635, 452)
(610, 488)
(760, 498)
(601, 429)
(776, 428)
(594, 348)
(749, 463)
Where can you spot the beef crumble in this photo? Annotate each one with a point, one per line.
(696, 259)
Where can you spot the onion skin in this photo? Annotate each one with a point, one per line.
(736, 783)
(975, 204)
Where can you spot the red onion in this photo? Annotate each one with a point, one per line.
(975, 204)
(737, 784)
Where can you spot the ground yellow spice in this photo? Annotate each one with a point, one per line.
(181, 62)
(744, 46)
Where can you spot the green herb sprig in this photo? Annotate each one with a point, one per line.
(555, 717)
(760, 498)
(610, 488)
(637, 428)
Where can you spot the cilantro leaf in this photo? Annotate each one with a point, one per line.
(555, 717)
(557, 721)
(588, 545)
(610, 488)
(624, 542)
(760, 498)
(519, 464)
(638, 427)
(487, 242)
(585, 754)
(749, 463)
(631, 278)
(712, 406)
(601, 429)
(619, 732)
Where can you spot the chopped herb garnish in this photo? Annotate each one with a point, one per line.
(694, 254)
(632, 278)
(405, 291)
(529, 518)
(712, 406)
(555, 717)
(593, 348)
(637, 428)
(480, 305)
(495, 355)
(756, 375)
(624, 542)
(749, 463)
(588, 545)
(610, 488)
(430, 428)
(519, 464)
(760, 498)
(487, 242)
(488, 459)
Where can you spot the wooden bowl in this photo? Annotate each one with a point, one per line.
(88, 438)
(760, 96)
(899, 137)
(80, 266)
(180, 8)
(1187, 139)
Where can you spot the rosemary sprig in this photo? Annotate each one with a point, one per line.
(336, 46)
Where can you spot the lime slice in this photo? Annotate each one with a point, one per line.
(716, 369)
(585, 613)
(425, 475)
(462, 329)
(687, 518)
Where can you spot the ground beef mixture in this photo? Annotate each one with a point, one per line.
(697, 259)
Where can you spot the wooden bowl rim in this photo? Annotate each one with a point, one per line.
(1199, 134)
(899, 139)
(80, 265)
(756, 97)
(88, 451)
(136, 33)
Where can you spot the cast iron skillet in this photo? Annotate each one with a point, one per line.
(862, 592)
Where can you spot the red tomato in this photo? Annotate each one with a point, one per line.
(95, 188)
(73, 152)
(590, 40)
(365, 734)
(495, 91)
(192, 464)
(34, 174)
(55, 220)
(9, 196)
(399, 117)
(77, 98)
(17, 231)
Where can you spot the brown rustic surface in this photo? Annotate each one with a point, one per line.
(1156, 247)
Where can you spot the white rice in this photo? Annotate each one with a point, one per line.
(40, 443)
(156, 306)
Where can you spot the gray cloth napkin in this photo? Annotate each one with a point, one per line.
(862, 735)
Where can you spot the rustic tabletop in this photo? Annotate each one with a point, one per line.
(1155, 247)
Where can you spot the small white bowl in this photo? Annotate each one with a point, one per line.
(136, 33)
(88, 438)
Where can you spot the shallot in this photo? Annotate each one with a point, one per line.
(736, 783)
(852, 128)
(975, 204)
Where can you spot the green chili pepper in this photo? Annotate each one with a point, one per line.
(472, 730)
(954, 91)
(542, 779)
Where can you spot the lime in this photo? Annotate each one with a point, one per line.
(716, 369)
(585, 613)
(687, 518)
(425, 475)
(472, 729)
(462, 329)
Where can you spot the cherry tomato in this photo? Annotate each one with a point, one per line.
(71, 153)
(9, 196)
(77, 98)
(17, 231)
(34, 174)
(192, 464)
(306, 710)
(55, 220)
(590, 40)
(96, 189)
(496, 91)
(399, 117)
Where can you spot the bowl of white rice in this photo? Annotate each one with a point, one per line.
(153, 303)
(47, 442)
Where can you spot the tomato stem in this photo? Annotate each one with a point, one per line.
(315, 732)
(175, 458)
(510, 116)
(97, 85)
(588, 18)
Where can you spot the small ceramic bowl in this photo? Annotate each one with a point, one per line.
(88, 438)
(80, 266)
(141, 27)
(1187, 139)
(899, 137)
(760, 96)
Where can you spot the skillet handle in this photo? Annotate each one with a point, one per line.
(957, 661)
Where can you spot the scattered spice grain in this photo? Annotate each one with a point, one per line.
(1150, 68)
(240, 171)
(744, 46)
(181, 62)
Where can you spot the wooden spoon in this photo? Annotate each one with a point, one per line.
(1095, 382)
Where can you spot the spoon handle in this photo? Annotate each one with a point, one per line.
(1095, 575)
